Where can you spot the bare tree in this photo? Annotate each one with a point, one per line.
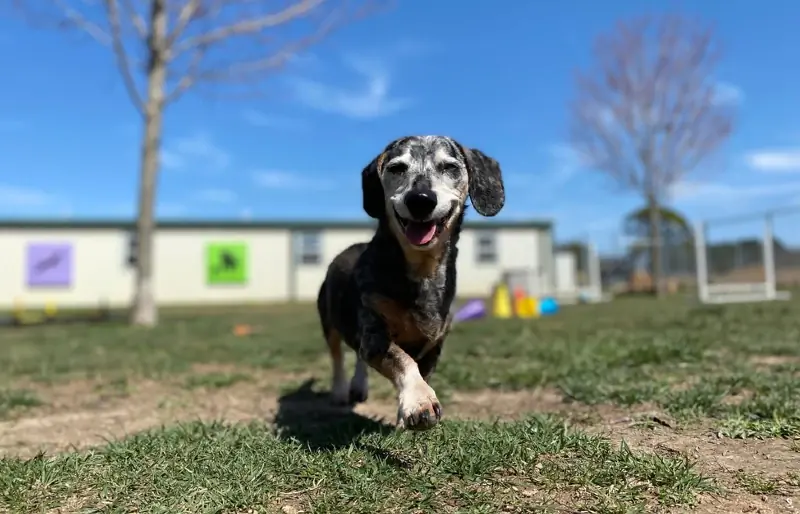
(164, 48)
(650, 110)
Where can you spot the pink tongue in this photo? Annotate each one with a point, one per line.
(420, 233)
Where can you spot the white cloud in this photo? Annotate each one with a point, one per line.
(708, 193)
(196, 150)
(259, 119)
(728, 94)
(775, 160)
(216, 196)
(14, 196)
(277, 179)
(565, 163)
(373, 99)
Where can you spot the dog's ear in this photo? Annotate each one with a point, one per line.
(372, 190)
(485, 182)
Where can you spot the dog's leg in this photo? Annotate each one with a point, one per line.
(359, 386)
(339, 386)
(427, 363)
(418, 408)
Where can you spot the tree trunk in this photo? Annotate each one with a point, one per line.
(656, 250)
(144, 311)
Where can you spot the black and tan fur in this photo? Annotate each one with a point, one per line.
(389, 299)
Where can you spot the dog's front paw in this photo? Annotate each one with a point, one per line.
(358, 393)
(340, 393)
(418, 408)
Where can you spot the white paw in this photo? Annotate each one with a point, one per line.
(418, 407)
(340, 392)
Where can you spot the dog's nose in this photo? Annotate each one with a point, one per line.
(420, 203)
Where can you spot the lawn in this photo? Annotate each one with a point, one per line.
(631, 406)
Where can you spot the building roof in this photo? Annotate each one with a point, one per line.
(199, 224)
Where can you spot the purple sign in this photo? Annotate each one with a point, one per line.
(49, 264)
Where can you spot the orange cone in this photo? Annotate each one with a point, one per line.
(242, 330)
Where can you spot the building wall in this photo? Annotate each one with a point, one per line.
(516, 249)
(310, 276)
(566, 272)
(101, 271)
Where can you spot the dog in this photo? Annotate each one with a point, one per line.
(389, 299)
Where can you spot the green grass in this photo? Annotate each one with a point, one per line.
(687, 361)
(15, 400)
(359, 467)
(732, 369)
(215, 380)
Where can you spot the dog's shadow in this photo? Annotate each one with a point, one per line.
(309, 417)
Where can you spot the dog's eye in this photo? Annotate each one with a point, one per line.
(450, 168)
(397, 168)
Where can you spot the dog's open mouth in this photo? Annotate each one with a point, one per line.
(422, 233)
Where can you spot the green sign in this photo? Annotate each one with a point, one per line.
(226, 263)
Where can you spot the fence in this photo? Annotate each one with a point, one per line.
(626, 261)
(745, 258)
(748, 258)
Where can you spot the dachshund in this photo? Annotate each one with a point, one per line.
(389, 299)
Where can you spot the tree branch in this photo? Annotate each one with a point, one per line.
(136, 19)
(187, 13)
(246, 27)
(646, 114)
(121, 55)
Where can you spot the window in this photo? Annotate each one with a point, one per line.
(309, 247)
(487, 247)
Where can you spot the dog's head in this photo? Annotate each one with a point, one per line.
(420, 184)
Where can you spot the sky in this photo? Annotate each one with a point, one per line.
(495, 79)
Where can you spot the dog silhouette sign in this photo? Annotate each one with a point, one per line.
(226, 263)
(49, 264)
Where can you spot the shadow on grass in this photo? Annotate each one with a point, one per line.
(308, 417)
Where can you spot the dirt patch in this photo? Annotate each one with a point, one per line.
(774, 360)
(80, 415)
(723, 460)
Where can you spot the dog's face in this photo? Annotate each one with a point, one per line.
(420, 184)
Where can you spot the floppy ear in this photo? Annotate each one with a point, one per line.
(372, 190)
(485, 182)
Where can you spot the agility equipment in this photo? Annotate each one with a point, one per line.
(710, 292)
(501, 302)
(548, 306)
(524, 305)
(243, 330)
(22, 317)
(473, 309)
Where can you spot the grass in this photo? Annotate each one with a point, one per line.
(732, 369)
(215, 380)
(14, 400)
(475, 467)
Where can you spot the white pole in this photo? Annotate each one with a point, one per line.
(769, 259)
(700, 261)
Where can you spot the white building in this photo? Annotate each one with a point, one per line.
(83, 263)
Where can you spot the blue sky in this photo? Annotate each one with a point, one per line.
(497, 79)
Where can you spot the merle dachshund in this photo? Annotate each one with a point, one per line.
(389, 299)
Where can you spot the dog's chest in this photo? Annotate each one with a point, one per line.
(410, 325)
